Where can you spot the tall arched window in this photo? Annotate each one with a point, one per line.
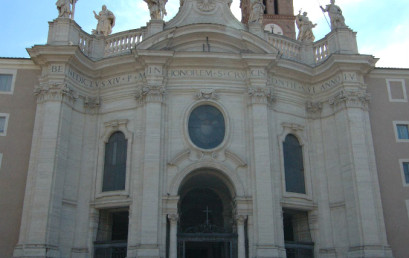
(293, 165)
(115, 163)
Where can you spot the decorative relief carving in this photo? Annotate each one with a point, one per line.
(350, 98)
(261, 95)
(91, 102)
(206, 5)
(55, 92)
(206, 94)
(151, 93)
(116, 123)
(292, 127)
(313, 107)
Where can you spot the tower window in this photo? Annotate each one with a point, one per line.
(265, 6)
(275, 6)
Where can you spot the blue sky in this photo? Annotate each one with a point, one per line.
(382, 26)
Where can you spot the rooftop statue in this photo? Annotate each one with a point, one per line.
(305, 27)
(257, 11)
(335, 15)
(106, 21)
(64, 8)
(157, 9)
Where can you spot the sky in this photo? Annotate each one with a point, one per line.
(382, 26)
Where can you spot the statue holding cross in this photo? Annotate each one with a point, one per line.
(64, 8)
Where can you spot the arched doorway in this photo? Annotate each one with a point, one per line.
(206, 227)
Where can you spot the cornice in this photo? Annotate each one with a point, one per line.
(17, 63)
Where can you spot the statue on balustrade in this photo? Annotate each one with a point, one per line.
(257, 11)
(335, 15)
(64, 8)
(106, 21)
(305, 27)
(157, 9)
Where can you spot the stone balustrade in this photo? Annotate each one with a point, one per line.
(122, 42)
(85, 41)
(290, 49)
(320, 50)
(65, 31)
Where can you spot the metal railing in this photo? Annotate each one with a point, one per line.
(112, 249)
(299, 250)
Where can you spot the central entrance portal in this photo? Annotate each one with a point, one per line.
(206, 227)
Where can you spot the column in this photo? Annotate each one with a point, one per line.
(173, 220)
(240, 219)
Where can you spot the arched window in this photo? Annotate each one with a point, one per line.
(293, 165)
(115, 163)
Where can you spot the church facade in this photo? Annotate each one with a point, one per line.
(203, 137)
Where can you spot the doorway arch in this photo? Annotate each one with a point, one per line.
(206, 209)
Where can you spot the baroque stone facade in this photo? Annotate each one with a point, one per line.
(229, 145)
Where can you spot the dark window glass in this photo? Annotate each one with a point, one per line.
(115, 163)
(275, 6)
(2, 124)
(206, 127)
(293, 165)
(403, 132)
(5, 82)
(406, 171)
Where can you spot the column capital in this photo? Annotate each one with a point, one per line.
(260, 95)
(240, 219)
(173, 217)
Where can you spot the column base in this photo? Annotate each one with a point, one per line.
(36, 251)
(370, 251)
(143, 251)
(270, 252)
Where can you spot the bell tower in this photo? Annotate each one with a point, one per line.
(278, 16)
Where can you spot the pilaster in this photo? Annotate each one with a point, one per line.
(265, 202)
(152, 95)
(39, 234)
(366, 230)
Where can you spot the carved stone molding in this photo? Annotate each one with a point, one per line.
(313, 107)
(350, 99)
(117, 125)
(261, 95)
(151, 93)
(206, 94)
(56, 91)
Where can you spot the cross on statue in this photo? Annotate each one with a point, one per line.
(207, 214)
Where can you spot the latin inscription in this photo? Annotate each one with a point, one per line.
(110, 82)
(327, 85)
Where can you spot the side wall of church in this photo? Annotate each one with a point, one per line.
(389, 105)
(20, 107)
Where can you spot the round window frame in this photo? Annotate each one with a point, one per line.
(226, 125)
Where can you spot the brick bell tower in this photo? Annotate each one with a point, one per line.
(278, 16)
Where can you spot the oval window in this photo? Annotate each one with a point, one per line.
(206, 127)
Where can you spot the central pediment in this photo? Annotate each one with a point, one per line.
(213, 38)
(205, 11)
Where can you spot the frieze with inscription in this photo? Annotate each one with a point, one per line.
(313, 89)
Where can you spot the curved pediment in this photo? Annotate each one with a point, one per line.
(205, 11)
(208, 38)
